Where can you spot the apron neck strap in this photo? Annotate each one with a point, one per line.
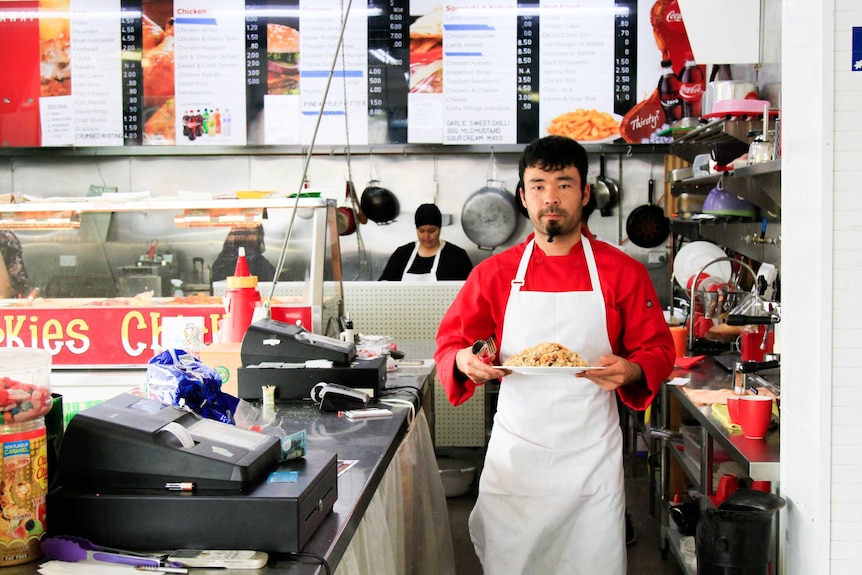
(518, 282)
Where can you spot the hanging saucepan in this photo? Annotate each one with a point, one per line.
(647, 226)
(605, 193)
(489, 215)
(345, 217)
(379, 204)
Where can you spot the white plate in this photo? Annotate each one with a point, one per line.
(541, 370)
(693, 256)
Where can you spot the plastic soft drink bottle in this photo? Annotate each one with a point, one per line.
(668, 93)
(691, 89)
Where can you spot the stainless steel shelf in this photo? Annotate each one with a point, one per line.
(760, 184)
(689, 465)
(717, 136)
(674, 537)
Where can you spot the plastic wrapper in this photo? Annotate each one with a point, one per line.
(176, 377)
(266, 420)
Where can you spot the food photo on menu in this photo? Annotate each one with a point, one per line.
(282, 53)
(55, 70)
(426, 53)
(158, 68)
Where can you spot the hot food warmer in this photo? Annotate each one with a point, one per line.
(125, 330)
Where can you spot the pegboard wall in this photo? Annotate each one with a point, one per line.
(406, 311)
(461, 426)
(411, 311)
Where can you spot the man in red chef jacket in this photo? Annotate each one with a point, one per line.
(551, 495)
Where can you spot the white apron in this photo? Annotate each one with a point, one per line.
(429, 277)
(551, 495)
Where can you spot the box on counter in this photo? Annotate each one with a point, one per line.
(225, 359)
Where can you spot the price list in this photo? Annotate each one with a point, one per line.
(255, 62)
(625, 55)
(131, 41)
(528, 70)
(388, 69)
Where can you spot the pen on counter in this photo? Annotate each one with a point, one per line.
(180, 486)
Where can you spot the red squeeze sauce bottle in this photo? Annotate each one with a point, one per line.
(240, 301)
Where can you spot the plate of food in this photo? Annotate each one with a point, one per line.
(588, 126)
(544, 370)
(547, 358)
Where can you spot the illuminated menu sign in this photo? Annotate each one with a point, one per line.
(197, 73)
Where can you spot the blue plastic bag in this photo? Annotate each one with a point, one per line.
(176, 377)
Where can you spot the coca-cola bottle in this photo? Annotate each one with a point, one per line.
(668, 93)
(691, 89)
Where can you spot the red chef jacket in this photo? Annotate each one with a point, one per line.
(636, 326)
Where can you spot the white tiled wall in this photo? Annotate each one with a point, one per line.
(821, 431)
(846, 480)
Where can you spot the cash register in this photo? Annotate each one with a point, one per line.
(293, 360)
(136, 474)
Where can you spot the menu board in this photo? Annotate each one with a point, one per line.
(197, 73)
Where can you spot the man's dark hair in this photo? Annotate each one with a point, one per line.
(555, 153)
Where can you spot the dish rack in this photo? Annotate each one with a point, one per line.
(717, 303)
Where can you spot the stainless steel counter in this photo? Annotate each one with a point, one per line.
(758, 457)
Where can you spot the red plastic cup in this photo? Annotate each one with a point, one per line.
(750, 341)
(726, 486)
(733, 408)
(680, 339)
(755, 412)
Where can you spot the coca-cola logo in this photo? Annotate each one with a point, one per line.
(673, 17)
(690, 91)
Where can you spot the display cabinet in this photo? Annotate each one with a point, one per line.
(124, 331)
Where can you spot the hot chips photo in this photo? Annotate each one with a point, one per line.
(585, 125)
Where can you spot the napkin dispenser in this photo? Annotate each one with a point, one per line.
(269, 340)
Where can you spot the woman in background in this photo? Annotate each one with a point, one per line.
(14, 281)
(250, 238)
(429, 259)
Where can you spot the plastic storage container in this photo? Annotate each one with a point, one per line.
(25, 399)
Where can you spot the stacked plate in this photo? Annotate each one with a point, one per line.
(693, 256)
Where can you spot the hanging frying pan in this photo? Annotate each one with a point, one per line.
(605, 193)
(647, 226)
(345, 217)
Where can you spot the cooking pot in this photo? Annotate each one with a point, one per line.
(489, 216)
(379, 204)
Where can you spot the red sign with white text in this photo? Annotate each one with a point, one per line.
(111, 335)
(116, 335)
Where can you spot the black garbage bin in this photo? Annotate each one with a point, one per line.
(734, 539)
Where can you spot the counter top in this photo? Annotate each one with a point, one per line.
(760, 458)
(372, 444)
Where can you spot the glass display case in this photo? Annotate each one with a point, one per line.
(91, 309)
